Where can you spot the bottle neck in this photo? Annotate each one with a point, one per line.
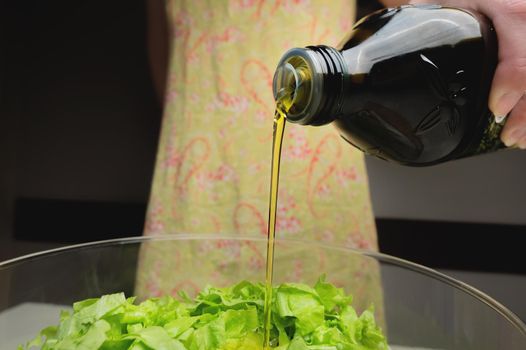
(311, 79)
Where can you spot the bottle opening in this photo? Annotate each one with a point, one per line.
(308, 84)
(293, 85)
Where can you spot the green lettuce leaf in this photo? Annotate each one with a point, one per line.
(303, 318)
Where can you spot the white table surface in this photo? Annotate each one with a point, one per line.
(26, 320)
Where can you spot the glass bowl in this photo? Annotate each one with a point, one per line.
(417, 307)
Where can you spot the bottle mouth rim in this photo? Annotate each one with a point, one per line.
(302, 111)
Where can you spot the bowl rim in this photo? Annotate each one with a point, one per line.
(429, 272)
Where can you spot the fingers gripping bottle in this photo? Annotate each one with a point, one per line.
(409, 85)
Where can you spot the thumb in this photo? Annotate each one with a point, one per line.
(509, 81)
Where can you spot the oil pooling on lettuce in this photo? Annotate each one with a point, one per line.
(303, 317)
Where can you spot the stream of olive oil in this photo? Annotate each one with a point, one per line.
(284, 102)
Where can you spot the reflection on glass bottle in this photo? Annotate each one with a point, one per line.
(409, 85)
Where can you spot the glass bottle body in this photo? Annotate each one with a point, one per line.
(410, 85)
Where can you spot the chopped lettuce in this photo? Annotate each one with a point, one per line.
(303, 318)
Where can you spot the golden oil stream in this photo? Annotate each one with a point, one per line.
(284, 102)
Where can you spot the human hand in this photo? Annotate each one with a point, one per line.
(509, 82)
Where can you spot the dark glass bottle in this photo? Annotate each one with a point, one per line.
(409, 85)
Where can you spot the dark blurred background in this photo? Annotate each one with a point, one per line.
(79, 124)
